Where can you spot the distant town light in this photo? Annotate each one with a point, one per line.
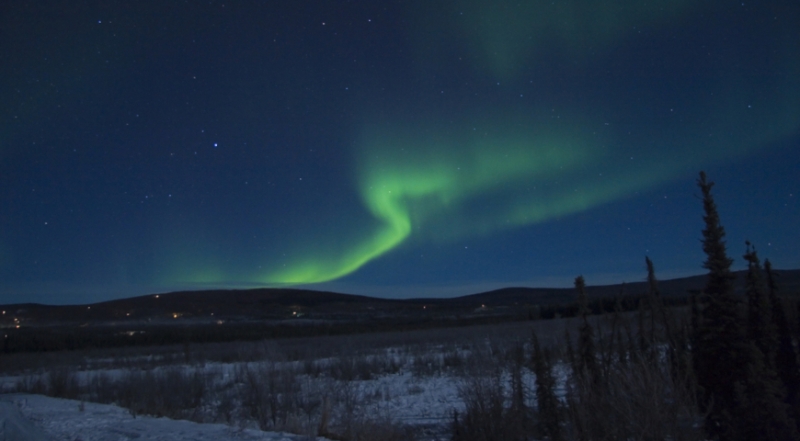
(156, 295)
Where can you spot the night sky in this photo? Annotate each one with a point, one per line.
(389, 148)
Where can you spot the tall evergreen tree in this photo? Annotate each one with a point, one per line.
(660, 311)
(719, 345)
(518, 414)
(643, 334)
(546, 399)
(653, 299)
(786, 356)
(760, 326)
(587, 357)
(617, 323)
(740, 395)
(660, 314)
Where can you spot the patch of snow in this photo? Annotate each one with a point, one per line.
(15, 427)
(71, 420)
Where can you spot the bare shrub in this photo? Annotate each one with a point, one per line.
(380, 429)
(638, 400)
(486, 415)
(312, 368)
(484, 412)
(427, 364)
(343, 369)
(59, 382)
(62, 383)
(271, 396)
(31, 384)
(453, 359)
(225, 406)
(357, 367)
(100, 388)
(174, 393)
(347, 396)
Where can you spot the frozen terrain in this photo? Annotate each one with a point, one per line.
(48, 419)
(395, 386)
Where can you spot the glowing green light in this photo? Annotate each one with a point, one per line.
(430, 180)
(409, 181)
(506, 34)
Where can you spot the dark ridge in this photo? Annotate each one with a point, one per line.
(280, 303)
(788, 281)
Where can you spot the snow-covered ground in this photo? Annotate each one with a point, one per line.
(401, 397)
(420, 401)
(400, 385)
(71, 420)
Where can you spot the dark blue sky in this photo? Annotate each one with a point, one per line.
(396, 148)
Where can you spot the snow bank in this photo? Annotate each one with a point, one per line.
(14, 426)
(36, 418)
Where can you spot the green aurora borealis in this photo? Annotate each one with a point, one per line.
(168, 146)
(415, 175)
(464, 187)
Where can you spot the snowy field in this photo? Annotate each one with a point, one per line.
(375, 386)
(25, 417)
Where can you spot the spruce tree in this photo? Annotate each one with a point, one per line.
(587, 357)
(740, 394)
(719, 346)
(761, 414)
(659, 312)
(642, 332)
(786, 357)
(616, 332)
(653, 299)
(518, 414)
(546, 400)
(760, 326)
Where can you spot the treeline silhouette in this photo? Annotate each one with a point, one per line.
(725, 370)
(74, 337)
(79, 338)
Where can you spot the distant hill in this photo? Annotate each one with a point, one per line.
(251, 303)
(269, 303)
(789, 281)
